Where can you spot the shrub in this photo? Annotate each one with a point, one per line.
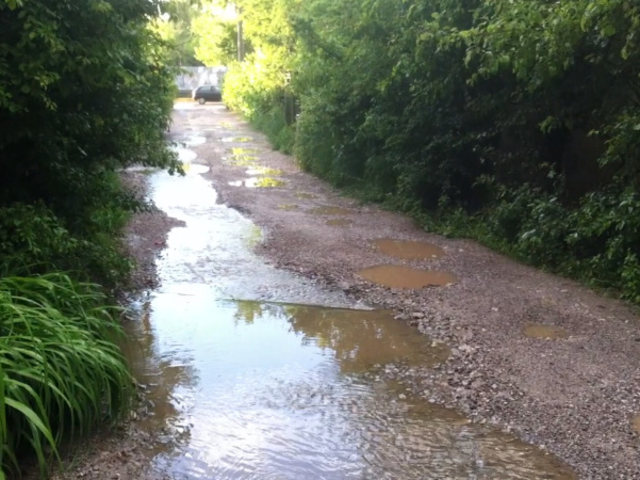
(60, 371)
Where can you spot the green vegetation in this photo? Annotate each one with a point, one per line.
(84, 92)
(515, 122)
(60, 372)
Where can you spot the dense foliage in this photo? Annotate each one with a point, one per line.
(60, 372)
(84, 92)
(515, 122)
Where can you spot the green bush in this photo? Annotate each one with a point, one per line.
(34, 240)
(512, 122)
(60, 371)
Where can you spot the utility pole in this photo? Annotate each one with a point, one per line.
(240, 39)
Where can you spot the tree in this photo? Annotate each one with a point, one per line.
(84, 91)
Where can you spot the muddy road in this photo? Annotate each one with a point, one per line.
(296, 333)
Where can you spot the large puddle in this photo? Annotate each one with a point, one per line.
(407, 249)
(244, 382)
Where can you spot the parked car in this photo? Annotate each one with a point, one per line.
(207, 93)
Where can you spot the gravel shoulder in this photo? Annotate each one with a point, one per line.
(576, 397)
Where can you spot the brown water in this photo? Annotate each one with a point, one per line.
(635, 424)
(547, 332)
(242, 386)
(339, 222)
(407, 249)
(396, 276)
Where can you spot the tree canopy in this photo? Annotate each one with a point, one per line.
(514, 122)
(85, 89)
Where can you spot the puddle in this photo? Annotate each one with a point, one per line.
(305, 195)
(236, 139)
(408, 249)
(260, 170)
(240, 151)
(329, 210)
(242, 160)
(395, 276)
(258, 182)
(267, 388)
(547, 332)
(185, 155)
(635, 424)
(262, 390)
(288, 206)
(339, 222)
(195, 140)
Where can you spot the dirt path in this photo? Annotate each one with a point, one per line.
(578, 396)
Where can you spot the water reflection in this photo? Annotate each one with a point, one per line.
(260, 390)
(252, 390)
(360, 339)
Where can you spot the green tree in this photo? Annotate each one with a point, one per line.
(84, 91)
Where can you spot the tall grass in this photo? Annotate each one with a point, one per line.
(60, 371)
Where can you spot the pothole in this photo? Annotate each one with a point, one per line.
(236, 139)
(396, 276)
(545, 332)
(635, 424)
(407, 249)
(241, 160)
(265, 171)
(305, 195)
(339, 222)
(288, 206)
(258, 182)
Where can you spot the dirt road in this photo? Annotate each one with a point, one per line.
(533, 354)
(576, 394)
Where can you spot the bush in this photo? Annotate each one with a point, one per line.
(60, 370)
(34, 240)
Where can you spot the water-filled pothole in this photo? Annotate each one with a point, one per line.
(236, 139)
(241, 160)
(330, 210)
(339, 222)
(396, 276)
(305, 195)
(262, 170)
(635, 424)
(408, 249)
(546, 332)
(258, 182)
(288, 206)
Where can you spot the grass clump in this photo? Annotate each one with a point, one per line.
(60, 371)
